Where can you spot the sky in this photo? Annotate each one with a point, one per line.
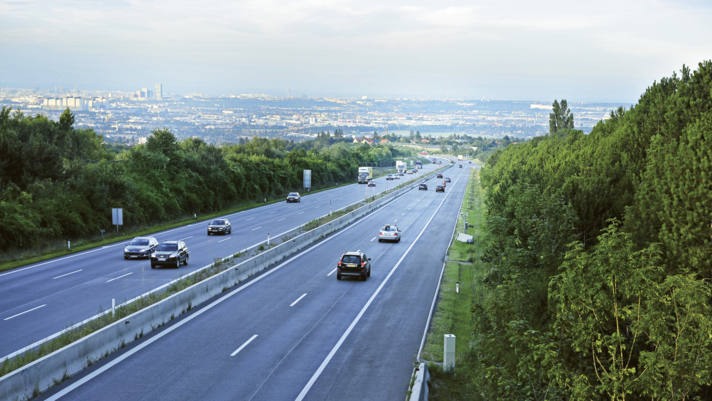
(603, 50)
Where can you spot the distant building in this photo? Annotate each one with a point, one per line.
(159, 91)
(71, 103)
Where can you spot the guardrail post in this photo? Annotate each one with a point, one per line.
(113, 307)
(449, 353)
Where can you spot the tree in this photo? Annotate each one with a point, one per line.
(561, 118)
(417, 136)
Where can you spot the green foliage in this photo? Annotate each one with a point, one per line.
(599, 255)
(561, 118)
(60, 183)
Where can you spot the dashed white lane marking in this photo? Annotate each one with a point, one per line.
(332, 272)
(185, 238)
(298, 299)
(403, 214)
(251, 218)
(77, 271)
(373, 238)
(317, 207)
(256, 228)
(225, 239)
(300, 212)
(273, 212)
(244, 345)
(395, 220)
(282, 219)
(408, 208)
(41, 306)
(116, 278)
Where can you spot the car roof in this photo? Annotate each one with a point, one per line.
(143, 237)
(357, 253)
(170, 242)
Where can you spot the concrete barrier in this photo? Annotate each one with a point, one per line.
(42, 373)
(419, 391)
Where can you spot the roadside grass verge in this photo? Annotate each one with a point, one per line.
(104, 319)
(17, 258)
(453, 313)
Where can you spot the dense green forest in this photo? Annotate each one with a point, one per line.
(599, 256)
(59, 183)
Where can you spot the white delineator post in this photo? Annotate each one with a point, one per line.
(113, 307)
(449, 353)
(267, 239)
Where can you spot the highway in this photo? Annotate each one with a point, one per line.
(42, 299)
(294, 331)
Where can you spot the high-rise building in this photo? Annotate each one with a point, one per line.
(159, 91)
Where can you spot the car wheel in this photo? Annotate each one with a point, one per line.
(177, 262)
(186, 260)
(379, 240)
(369, 272)
(364, 277)
(153, 266)
(126, 257)
(338, 276)
(208, 233)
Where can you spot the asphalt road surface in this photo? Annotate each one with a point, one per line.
(42, 299)
(294, 331)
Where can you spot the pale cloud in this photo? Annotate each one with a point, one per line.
(510, 48)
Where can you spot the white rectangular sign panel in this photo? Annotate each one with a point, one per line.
(307, 178)
(117, 217)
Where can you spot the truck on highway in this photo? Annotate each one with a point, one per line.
(459, 157)
(364, 174)
(401, 167)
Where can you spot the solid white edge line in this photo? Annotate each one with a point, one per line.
(77, 271)
(199, 312)
(41, 306)
(225, 239)
(252, 218)
(332, 272)
(256, 228)
(326, 361)
(298, 299)
(128, 274)
(282, 219)
(244, 345)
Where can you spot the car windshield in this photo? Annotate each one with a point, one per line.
(293, 194)
(139, 241)
(351, 259)
(390, 228)
(168, 247)
(218, 223)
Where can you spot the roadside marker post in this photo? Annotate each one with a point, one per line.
(267, 239)
(449, 353)
(113, 307)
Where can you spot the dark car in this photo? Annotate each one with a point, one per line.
(170, 253)
(390, 177)
(140, 247)
(469, 162)
(401, 175)
(372, 183)
(219, 226)
(461, 166)
(439, 176)
(440, 188)
(354, 264)
(294, 197)
(447, 179)
(422, 186)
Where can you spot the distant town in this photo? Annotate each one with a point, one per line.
(130, 117)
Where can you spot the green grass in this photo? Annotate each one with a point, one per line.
(453, 311)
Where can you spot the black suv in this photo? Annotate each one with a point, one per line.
(440, 188)
(170, 253)
(439, 176)
(354, 264)
(219, 226)
(422, 186)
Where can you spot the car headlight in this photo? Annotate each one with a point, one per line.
(126, 249)
(173, 255)
(153, 255)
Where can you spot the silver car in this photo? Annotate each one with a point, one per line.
(389, 232)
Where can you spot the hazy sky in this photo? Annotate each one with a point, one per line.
(508, 49)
